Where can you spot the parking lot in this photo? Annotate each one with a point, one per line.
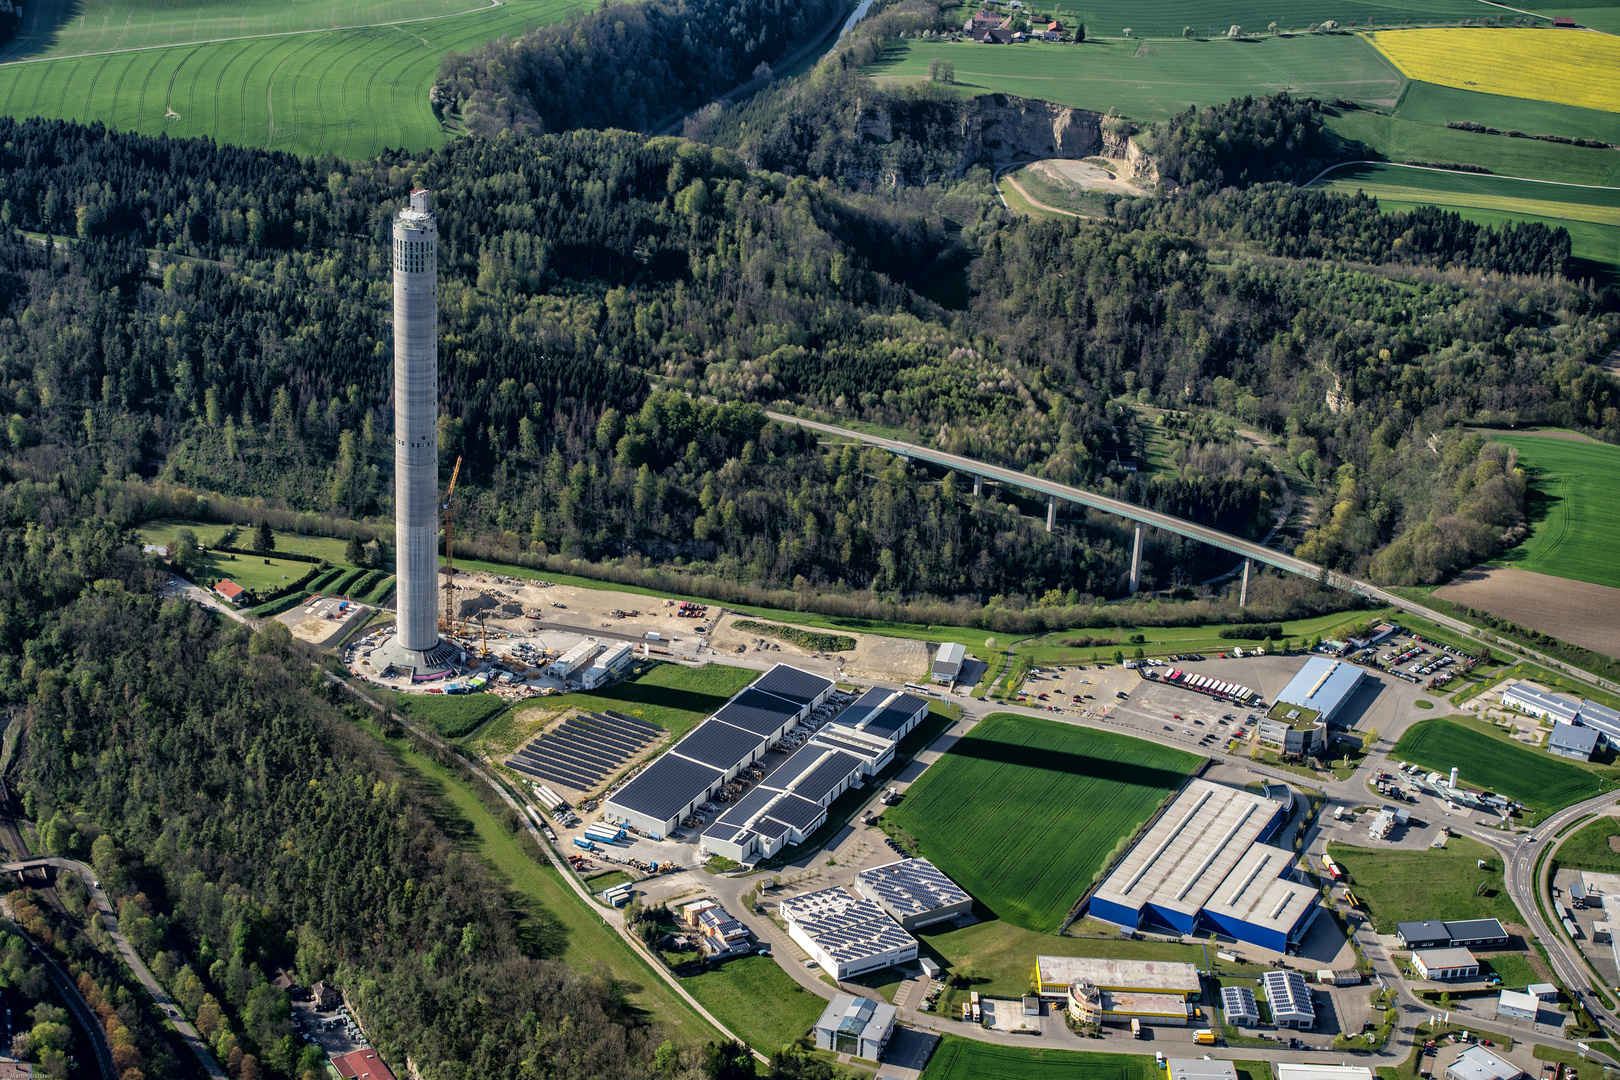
(334, 1031)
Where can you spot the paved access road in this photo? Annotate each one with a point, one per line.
(1214, 537)
(109, 922)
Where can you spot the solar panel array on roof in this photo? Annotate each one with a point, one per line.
(764, 714)
(834, 769)
(721, 745)
(845, 927)
(799, 813)
(888, 720)
(584, 750)
(793, 684)
(667, 787)
(910, 887)
(770, 827)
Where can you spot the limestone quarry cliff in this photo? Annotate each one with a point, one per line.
(993, 130)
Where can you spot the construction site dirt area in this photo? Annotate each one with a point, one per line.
(1574, 611)
(323, 619)
(882, 658)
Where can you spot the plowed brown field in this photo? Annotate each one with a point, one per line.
(1574, 611)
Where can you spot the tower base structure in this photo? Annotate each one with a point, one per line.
(421, 665)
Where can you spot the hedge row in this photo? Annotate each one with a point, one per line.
(276, 607)
(360, 588)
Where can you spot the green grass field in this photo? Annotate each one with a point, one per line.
(674, 697)
(1150, 81)
(451, 715)
(759, 1001)
(555, 921)
(1590, 849)
(1592, 215)
(1166, 18)
(969, 1059)
(1574, 516)
(320, 547)
(1023, 813)
(1435, 883)
(999, 958)
(1492, 761)
(351, 92)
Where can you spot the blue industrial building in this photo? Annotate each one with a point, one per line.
(1206, 866)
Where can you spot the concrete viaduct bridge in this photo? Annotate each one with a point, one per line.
(1250, 552)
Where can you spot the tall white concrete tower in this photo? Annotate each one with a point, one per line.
(416, 645)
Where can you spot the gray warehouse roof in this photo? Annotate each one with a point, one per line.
(665, 787)
(1476, 930)
(1322, 685)
(1478, 1063)
(1582, 740)
(794, 684)
(910, 887)
(881, 713)
(1200, 1069)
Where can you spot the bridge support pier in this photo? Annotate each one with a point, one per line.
(978, 486)
(1051, 512)
(1136, 561)
(1243, 595)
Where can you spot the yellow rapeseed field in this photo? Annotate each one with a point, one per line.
(1572, 67)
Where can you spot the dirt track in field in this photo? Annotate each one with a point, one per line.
(1575, 611)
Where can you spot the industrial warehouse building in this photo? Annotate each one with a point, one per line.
(571, 661)
(717, 750)
(1433, 934)
(1567, 740)
(846, 934)
(1238, 1003)
(1562, 711)
(1055, 974)
(1322, 686)
(914, 892)
(1200, 1069)
(1517, 1005)
(1205, 867)
(1290, 997)
(948, 662)
(791, 803)
(1443, 964)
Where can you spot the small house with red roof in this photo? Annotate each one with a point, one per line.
(361, 1065)
(231, 591)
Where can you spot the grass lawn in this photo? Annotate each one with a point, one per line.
(321, 547)
(451, 715)
(1418, 133)
(1512, 968)
(555, 921)
(1023, 813)
(311, 89)
(674, 697)
(886, 981)
(1435, 883)
(999, 957)
(759, 1001)
(1491, 760)
(968, 1059)
(1151, 81)
(1020, 205)
(603, 882)
(1574, 516)
(258, 573)
(1590, 847)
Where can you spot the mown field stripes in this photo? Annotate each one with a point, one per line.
(1574, 516)
(348, 92)
(1023, 813)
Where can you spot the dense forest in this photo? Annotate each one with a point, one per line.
(624, 65)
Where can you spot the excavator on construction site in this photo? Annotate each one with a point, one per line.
(447, 614)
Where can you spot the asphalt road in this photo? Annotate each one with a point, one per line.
(109, 923)
(1214, 537)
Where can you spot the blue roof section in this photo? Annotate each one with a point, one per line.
(763, 714)
(1322, 685)
(724, 746)
(794, 684)
(666, 787)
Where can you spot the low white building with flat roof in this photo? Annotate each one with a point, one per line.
(1540, 703)
(914, 892)
(1441, 964)
(1517, 1005)
(1057, 973)
(1478, 1063)
(1200, 1069)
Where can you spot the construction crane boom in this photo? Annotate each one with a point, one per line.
(447, 615)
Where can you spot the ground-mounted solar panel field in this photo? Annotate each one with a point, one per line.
(583, 751)
(350, 77)
(1023, 813)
